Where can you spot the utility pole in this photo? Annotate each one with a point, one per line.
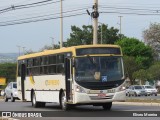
(61, 26)
(120, 24)
(95, 15)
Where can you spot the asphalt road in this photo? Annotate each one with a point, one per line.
(117, 107)
(26, 106)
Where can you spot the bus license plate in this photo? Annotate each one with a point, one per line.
(101, 95)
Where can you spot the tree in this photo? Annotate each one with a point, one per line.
(109, 35)
(28, 52)
(84, 36)
(130, 66)
(8, 70)
(49, 47)
(141, 75)
(133, 47)
(152, 37)
(154, 71)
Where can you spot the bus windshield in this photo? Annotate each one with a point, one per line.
(98, 69)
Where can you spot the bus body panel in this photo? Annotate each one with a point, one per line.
(45, 87)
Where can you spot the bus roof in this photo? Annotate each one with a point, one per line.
(62, 50)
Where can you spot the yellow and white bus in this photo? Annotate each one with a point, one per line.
(78, 75)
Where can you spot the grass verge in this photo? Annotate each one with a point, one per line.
(1, 97)
(144, 100)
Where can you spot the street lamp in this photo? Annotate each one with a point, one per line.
(19, 49)
(120, 24)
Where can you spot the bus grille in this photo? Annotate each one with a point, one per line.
(100, 98)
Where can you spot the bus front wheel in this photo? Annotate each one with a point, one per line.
(63, 101)
(107, 106)
(34, 102)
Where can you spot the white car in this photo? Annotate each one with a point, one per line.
(2, 92)
(11, 92)
(135, 90)
(150, 90)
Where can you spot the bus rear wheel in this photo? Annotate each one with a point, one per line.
(107, 106)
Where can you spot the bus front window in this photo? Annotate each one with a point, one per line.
(98, 69)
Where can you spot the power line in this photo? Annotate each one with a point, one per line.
(35, 5)
(69, 11)
(125, 8)
(131, 13)
(44, 19)
(133, 9)
(23, 6)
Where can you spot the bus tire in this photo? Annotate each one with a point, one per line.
(34, 102)
(63, 101)
(107, 106)
(42, 104)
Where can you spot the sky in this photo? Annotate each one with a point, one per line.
(137, 16)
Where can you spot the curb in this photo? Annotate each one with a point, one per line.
(137, 103)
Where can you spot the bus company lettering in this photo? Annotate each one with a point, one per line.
(52, 82)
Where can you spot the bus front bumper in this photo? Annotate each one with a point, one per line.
(84, 98)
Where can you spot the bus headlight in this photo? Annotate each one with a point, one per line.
(79, 89)
(122, 88)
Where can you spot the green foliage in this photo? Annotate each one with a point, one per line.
(133, 47)
(150, 74)
(80, 36)
(8, 70)
(109, 35)
(154, 71)
(130, 66)
(84, 36)
(141, 74)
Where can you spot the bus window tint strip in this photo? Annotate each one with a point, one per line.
(44, 65)
(86, 51)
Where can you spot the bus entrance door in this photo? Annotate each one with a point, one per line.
(23, 77)
(68, 79)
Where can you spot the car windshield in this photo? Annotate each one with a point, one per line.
(98, 69)
(138, 87)
(14, 85)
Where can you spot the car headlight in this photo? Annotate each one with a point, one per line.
(138, 91)
(155, 90)
(15, 93)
